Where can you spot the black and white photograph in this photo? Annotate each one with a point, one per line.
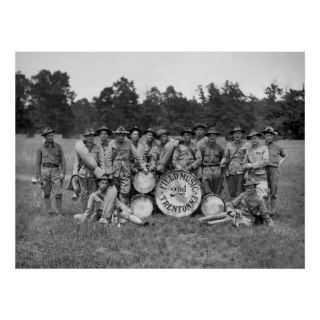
(160, 160)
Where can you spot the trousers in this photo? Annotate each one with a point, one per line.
(212, 180)
(235, 184)
(273, 180)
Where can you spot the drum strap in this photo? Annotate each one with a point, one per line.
(192, 152)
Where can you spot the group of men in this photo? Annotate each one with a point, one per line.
(244, 164)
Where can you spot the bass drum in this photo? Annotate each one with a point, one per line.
(212, 204)
(144, 182)
(178, 193)
(141, 206)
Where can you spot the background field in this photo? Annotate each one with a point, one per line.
(52, 242)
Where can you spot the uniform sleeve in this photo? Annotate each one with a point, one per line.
(264, 160)
(221, 153)
(166, 155)
(175, 157)
(76, 164)
(235, 202)
(108, 160)
(38, 163)
(198, 159)
(137, 156)
(154, 156)
(62, 160)
(226, 156)
(282, 153)
(101, 158)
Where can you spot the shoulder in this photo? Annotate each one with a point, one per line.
(58, 145)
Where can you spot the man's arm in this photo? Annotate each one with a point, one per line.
(38, 163)
(108, 160)
(283, 154)
(101, 158)
(226, 157)
(175, 158)
(63, 162)
(198, 159)
(137, 157)
(166, 155)
(76, 164)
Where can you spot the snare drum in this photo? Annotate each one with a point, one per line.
(141, 206)
(212, 204)
(178, 193)
(144, 182)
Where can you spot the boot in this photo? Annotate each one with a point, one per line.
(273, 207)
(59, 205)
(47, 203)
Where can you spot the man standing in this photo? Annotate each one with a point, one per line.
(83, 174)
(212, 154)
(134, 136)
(104, 133)
(199, 131)
(187, 155)
(118, 166)
(255, 161)
(161, 154)
(149, 142)
(232, 161)
(272, 168)
(51, 170)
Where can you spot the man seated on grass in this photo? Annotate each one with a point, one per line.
(104, 203)
(248, 208)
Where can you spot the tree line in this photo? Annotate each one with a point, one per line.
(48, 100)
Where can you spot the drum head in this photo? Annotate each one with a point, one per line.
(178, 193)
(141, 206)
(144, 182)
(212, 204)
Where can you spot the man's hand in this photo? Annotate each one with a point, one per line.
(188, 168)
(178, 167)
(145, 170)
(110, 176)
(76, 179)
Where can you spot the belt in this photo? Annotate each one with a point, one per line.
(50, 165)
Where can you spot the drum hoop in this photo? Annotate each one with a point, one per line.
(212, 194)
(139, 196)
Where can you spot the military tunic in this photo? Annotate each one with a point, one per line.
(212, 178)
(161, 155)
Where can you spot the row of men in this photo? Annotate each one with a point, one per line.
(197, 152)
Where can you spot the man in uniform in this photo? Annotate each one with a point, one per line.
(118, 166)
(139, 145)
(51, 170)
(187, 155)
(161, 154)
(272, 168)
(212, 154)
(82, 173)
(199, 131)
(104, 133)
(255, 161)
(103, 204)
(232, 161)
(248, 208)
(150, 142)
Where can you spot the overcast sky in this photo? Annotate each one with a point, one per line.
(91, 72)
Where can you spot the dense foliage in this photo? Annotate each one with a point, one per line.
(47, 100)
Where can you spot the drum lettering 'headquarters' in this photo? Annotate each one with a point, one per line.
(139, 172)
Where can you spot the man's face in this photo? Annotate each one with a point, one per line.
(149, 137)
(254, 140)
(212, 137)
(90, 138)
(237, 135)
(120, 137)
(103, 185)
(103, 135)
(187, 137)
(135, 136)
(269, 137)
(200, 132)
(163, 138)
(49, 137)
(250, 189)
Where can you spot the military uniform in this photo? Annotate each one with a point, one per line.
(86, 176)
(118, 157)
(258, 156)
(272, 167)
(212, 154)
(161, 154)
(187, 156)
(104, 144)
(233, 158)
(51, 168)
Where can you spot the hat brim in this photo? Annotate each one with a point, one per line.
(186, 131)
(249, 137)
(233, 131)
(208, 133)
(250, 184)
(120, 132)
(202, 126)
(44, 134)
(146, 131)
(99, 131)
(272, 132)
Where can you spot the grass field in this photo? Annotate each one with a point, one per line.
(52, 242)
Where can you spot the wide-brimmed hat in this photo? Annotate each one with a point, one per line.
(199, 125)
(150, 130)
(189, 130)
(47, 130)
(103, 128)
(135, 128)
(253, 133)
(89, 132)
(237, 128)
(250, 182)
(269, 129)
(120, 130)
(212, 130)
(160, 132)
